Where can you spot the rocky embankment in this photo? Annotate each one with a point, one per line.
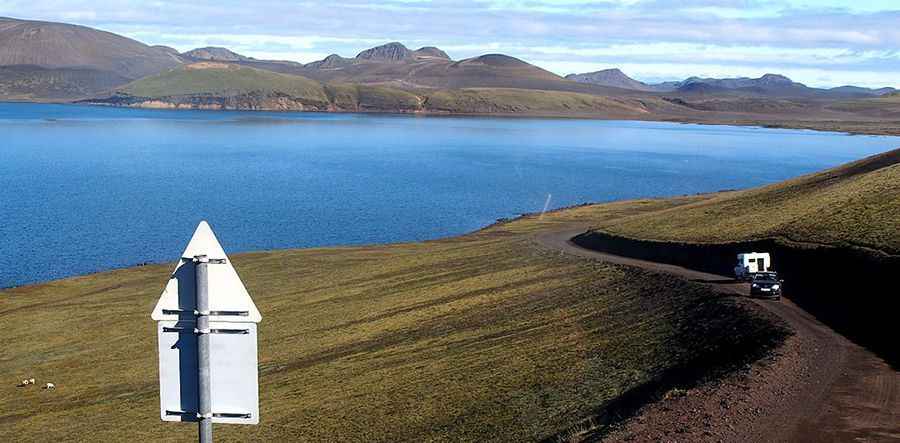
(243, 102)
(846, 288)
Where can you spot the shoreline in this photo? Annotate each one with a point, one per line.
(750, 121)
(813, 125)
(496, 222)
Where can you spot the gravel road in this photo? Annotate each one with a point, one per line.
(817, 387)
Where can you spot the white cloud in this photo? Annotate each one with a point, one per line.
(718, 53)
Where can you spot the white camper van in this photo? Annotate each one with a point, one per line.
(750, 263)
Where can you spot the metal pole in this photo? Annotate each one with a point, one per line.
(203, 381)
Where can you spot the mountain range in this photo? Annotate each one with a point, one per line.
(767, 85)
(45, 61)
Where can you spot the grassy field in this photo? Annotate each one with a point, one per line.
(513, 101)
(834, 237)
(857, 204)
(225, 80)
(481, 337)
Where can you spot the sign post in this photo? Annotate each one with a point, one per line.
(207, 325)
(205, 409)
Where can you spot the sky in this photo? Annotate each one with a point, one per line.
(822, 43)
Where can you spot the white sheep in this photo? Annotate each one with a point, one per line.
(50, 386)
(26, 382)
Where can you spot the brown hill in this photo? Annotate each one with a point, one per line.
(59, 45)
(51, 60)
(431, 51)
(391, 52)
(610, 77)
(29, 82)
(430, 67)
(216, 54)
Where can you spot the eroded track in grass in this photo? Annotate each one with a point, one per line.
(818, 387)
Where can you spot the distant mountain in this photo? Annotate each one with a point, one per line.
(610, 77)
(770, 85)
(216, 54)
(862, 92)
(766, 81)
(396, 65)
(388, 53)
(58, 45)
(391, 52)
(397, 52)
(494, 70)
(56, 61)
(665, 86)
(330, 62)
(168, 50)
(767, 85)
(431, 51)
(60, 56)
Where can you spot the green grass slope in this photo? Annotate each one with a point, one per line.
(224, 80)
(201, 83)
(480, 337)
(348, 96)
(857, 204)
(511, 101)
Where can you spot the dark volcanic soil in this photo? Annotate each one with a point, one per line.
(817, 387)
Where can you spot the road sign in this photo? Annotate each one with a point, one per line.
(207, 326)
(227, 292)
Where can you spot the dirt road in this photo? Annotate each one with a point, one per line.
(818, 387)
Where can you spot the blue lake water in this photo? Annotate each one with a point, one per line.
(86, 189)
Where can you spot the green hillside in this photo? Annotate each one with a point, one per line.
(239, 87)
(856, 204)
(224, 80)
(504, 100)
(371, 97)
(481, 337)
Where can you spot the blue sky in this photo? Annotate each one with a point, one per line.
(818, 42)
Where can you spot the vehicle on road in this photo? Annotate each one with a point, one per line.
(766, 285)
(751, 263)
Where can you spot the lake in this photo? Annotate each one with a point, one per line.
(85, 189)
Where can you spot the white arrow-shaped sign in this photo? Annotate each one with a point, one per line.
(207, 343)
(227, 291)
